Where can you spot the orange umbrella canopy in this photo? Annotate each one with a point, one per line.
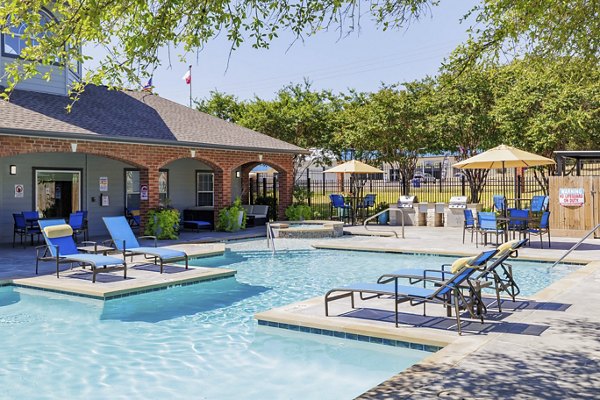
(503, 156)
(354, 167)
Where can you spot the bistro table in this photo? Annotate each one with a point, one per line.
(506, 220)
(94, 248)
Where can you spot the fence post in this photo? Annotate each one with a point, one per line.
(264, 186)
(462, 185)
(257, 185)
(251, 190)
(308, 186)
(323, 177)
(275, 197)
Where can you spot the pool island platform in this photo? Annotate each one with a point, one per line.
(142, 275)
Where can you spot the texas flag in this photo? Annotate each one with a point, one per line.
(188, 76)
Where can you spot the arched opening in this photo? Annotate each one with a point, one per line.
(56, 184)
(258, 183)
(193, 186)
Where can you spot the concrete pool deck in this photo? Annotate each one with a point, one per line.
(142, 275)
(545, 346)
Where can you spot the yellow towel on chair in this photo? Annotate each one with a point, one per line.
(508, 246)
(56, 231)
(460, 264)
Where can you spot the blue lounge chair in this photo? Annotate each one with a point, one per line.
(124, 240)
(448, 294)
(498, 271)
(61, 247)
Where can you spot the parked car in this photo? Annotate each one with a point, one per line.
(424, 177)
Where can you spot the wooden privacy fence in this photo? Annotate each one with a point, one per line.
(574, 220)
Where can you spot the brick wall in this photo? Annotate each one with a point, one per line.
(149, 159)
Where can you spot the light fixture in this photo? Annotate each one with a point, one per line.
(74, 147)
(260, 157)
(193, 153)
(13, 170)
(238, 174)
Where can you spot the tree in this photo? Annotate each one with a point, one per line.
(297, 115)
(549, 106)
(222, 105)
(461, 117)
(133, 31)
(390, 127)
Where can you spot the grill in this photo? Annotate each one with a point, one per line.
(458, 202)
(406, 201)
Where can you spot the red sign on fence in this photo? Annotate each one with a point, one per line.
(571, 197)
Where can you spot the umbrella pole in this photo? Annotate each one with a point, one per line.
(504, 189)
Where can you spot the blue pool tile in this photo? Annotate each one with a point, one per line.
(417, 346)
(327, 332)
(376, 340)
(316, 331)
(363, 338)
(270, 323)
(351, 336)
(284, 326)
(431, 349)
(261, 322)
(339, 334)
(401, 343)
(294, 327)
(389, 342)
(305, 329)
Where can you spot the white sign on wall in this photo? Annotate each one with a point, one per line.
(104, 184)
(144, 192)
(571, 197)
(19, 191)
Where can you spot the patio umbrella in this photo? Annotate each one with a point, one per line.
(354, 167)
(503, 156)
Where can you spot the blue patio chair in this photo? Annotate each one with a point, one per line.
(499, 203)
(61, 247)
(23, 229)
(538, 204)
(77, 223)
(488, 224)
(469, 224)
(123, 239)
(541, 229)
(367, 203)
(343, 210)
(448, 294)
(517, 222)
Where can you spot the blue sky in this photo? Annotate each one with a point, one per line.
(361, 60)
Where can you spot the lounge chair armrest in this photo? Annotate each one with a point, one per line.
(437, 272)
(445, 265)
(89, 242)
(38, 249)
(149, 237)
(108, 243)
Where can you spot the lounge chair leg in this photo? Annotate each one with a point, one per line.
(161, 265)
(457, 311)
(186, 262)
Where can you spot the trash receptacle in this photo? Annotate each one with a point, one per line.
(416, 182)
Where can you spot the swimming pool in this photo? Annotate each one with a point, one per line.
(200, 341)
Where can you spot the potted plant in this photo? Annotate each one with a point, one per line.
(383, 218)
(232, 218)
(163, 222)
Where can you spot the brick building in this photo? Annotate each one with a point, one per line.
(125, 149)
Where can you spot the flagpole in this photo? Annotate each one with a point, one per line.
(190, 86)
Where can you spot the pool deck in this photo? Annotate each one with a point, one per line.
(142, 275)
(546, 346)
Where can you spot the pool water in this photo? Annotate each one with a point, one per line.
(201, 341)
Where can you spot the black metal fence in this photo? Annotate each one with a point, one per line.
(438, 191)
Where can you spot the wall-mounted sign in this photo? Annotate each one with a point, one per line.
(571, 197)
(104, 200)
(144, 192)
(19, 191)
(103, 180)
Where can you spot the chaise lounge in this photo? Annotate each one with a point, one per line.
(448, 294)
(124, 240)
(61, 247)
(256, 214)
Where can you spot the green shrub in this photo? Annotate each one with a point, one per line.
(298, 212)
(228, 219)
(163, 223)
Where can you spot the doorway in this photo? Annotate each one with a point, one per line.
(57, 192)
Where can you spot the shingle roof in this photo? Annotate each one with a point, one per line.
(128, 115)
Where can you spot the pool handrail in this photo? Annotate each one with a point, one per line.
(366, 221)
(575, 246)
(270, 237)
